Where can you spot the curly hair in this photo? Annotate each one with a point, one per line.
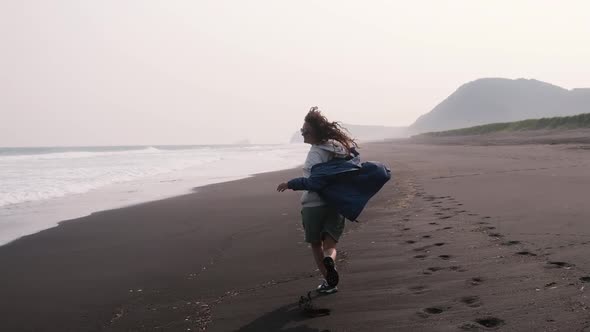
(325, 130)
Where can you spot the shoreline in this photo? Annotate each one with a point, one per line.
(78, 206)
(92, 255)
(30, 217)
(461, 238)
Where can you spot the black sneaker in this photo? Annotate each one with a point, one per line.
(324, 288)
(332, 274)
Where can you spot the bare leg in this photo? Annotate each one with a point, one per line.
(318, 255)
(329, 247)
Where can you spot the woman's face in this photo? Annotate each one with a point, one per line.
(308, 134)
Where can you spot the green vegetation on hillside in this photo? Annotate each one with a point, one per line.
(562, 122)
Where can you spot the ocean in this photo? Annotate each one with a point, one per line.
(44, 185)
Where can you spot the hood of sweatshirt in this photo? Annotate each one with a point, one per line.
(335, 147)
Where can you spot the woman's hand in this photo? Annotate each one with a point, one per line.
(282, 187)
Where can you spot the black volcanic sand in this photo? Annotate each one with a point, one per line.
(464, 238)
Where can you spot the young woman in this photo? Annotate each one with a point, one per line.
(323, 225)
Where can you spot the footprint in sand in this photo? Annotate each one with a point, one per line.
(433, 310)
(457, 268)
(471, 301)
(432, 269)
(475, 281)
(418, 289)
(425, 248)
(558, 265)
(424, 313)
(550, 284)
(488, 322)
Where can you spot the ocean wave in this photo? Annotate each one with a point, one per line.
(45, 176)
(44, 180)
(80, 154)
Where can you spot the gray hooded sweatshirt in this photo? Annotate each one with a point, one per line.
(319, 153)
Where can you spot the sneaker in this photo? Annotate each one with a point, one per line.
(324, 288)
(332, 274)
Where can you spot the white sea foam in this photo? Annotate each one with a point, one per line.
(75, 154)
(44, 176)
(34, 187)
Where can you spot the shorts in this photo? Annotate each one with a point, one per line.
(321, 220)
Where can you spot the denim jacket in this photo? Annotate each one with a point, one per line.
(345, 183)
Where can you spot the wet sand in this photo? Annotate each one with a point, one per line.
(466, 237)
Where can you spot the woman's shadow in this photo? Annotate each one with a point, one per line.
(278, 318)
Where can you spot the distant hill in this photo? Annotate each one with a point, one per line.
(564, 122)
(365, 133)
(492, 100)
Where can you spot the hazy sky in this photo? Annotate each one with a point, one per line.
(117, 72)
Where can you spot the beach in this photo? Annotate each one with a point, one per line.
(465, 237)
